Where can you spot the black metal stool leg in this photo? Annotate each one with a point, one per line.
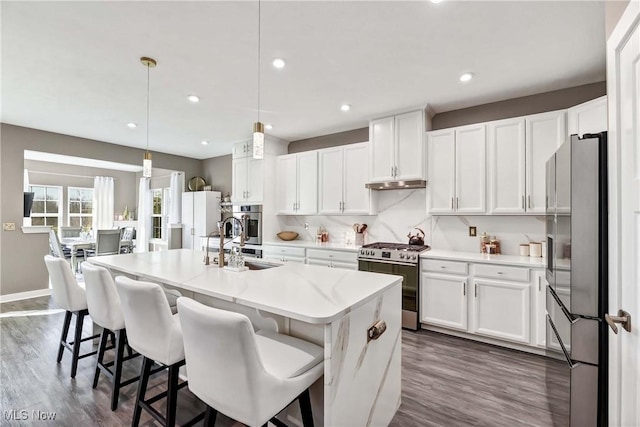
(142, 388)
(117, 371)
(65, 332)
(101, 348)
(210, 417)
(305, 409)
(76, 342)
(172, 394)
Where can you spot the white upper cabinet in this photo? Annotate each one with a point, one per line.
(589, 117)
(249, 174)
(456, 172)
(470, 169)
(544, 134)
(242, 149)
(297, 183)
(506, 166)
(342, 175)
(396, 150)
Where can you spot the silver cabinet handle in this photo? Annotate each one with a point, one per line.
(293, 206)
(539, 283)
(475, 290)
(247, 194)
(522, 204)
(395, 171)
(464, 288)
(452, 203)
(529, 201)
(457, 203)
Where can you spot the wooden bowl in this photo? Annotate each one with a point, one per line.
(287, 235)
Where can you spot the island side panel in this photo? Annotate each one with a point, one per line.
(362, 378)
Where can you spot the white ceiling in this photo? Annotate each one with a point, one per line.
(73, 67)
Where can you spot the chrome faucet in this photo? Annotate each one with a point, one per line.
(221, 225)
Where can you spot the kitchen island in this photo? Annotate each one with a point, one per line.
(333, 308)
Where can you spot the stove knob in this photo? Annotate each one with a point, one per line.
(361, 251)
(401, 256)
(414, 257)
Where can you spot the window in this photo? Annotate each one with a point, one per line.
(80, 205)
(47, 205)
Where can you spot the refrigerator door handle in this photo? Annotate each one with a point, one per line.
(623, 317)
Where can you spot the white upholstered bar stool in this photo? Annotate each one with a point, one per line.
(71, 297)
(248, 376)
(104, 307)
(155, 333)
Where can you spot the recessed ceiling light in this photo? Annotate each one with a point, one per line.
(268, 126)
(345, 107)
(204, 142)
(436, 1)
(193, 98)
(278, 63)
(132, 125)
(466, 77)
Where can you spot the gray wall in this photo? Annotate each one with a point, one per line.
(613, 10)
(332, 140)
(21, 265)
(217, 172)
(124, 186)
(548, 101)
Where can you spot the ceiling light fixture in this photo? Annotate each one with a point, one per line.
(465, 77)
(279, 63)
(268, 126)
(204, 142)
(436, 1)
(345, 107)
(193, 98)
(132, 125)
(146, 163)
(258, 127)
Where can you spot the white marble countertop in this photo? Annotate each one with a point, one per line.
(304, 292)
(307, 244)
(521, 261)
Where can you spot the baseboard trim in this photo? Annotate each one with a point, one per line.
(25, 295)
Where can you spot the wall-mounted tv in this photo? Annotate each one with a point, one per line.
(28, 201)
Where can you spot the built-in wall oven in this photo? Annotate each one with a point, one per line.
(400, 260)
(251, 218)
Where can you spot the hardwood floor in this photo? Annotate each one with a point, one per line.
(447, 381)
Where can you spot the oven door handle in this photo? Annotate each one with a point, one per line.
(388, 262)
(567, 356)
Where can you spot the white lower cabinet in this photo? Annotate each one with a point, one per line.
(443, 300)
(484, 300)
(501, 309)
(283, 253)
(332, 258)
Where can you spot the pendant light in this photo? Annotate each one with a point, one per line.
(146, 163)
(258, 127)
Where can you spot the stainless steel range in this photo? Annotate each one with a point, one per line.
(401, 260)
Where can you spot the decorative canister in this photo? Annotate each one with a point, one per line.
(524, 249)
(495, 242)
(491, 249)
(484, 241)
(535, 249)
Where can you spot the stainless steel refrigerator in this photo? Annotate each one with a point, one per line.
(576, 226)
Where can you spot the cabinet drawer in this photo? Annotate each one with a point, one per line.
(284, 250)
(501, 272)
(441, 266)
(332, 255)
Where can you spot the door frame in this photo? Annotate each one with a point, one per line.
(629, 20)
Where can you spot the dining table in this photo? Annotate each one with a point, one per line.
(75, 243)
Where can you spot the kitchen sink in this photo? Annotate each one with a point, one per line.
(259, 265)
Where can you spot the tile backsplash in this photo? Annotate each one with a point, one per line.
(400, 211)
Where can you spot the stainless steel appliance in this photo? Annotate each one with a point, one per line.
(251, 218)
(401, 260)
(577, 274)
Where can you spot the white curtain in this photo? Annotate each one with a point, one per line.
(103, 202)
(26, 221)
(175, 197)
(145, 204)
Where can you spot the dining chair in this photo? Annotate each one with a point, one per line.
(55, 247)
(70, 232)
(126, 242)
(107, 243)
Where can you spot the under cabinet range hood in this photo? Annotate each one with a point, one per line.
(397, 185)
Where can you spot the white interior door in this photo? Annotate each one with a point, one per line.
(623, 78)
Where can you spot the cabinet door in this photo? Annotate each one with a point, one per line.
(255, 180)
(240, 150)
(443, 301)
(501, 309)
(506, 166)
(330, 181)
(356, 197)
(589, 117)
(441, 153)
(470, 169)
(239, 180)
(286, 184)
(409, 131)
(381, 133)
(540, 290)
(307, 183)
(544, 134)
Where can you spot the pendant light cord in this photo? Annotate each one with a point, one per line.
(258, 60)
(147, 107)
